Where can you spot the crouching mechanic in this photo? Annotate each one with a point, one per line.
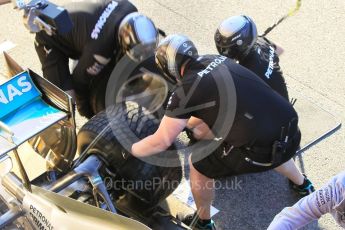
(329, 199)
(237, 38)
(103, 31)
(254, 143)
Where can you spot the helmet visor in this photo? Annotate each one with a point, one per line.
(228, 51)
(142, 51)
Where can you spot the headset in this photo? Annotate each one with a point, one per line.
(42, 15)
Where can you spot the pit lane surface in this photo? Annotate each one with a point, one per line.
(312, 63)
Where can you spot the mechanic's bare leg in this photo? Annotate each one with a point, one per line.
(203, 192)
(290, 170)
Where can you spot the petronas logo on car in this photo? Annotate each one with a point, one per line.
(11, 91)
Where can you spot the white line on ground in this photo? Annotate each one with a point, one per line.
(6, 46)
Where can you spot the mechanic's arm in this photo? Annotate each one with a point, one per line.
(89, 67)
(311, 207)
(279, 50)
(161, 140)
(82, 74)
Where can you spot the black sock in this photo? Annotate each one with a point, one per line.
(204, 222)
(305, 183)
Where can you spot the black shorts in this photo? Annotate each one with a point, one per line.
(216, 165)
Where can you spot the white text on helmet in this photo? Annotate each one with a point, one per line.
(238, 36)
(216, 62)
(103, 19)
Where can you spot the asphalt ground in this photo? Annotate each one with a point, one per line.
(313, 64)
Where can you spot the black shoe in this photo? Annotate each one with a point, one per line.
(305, 189)
(193, 221)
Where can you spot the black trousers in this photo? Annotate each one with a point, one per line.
(54, 63)
(218, 165)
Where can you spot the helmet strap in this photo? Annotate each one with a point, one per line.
(245, 54)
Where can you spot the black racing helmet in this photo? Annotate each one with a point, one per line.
(236, 36)
(172, 53)
(138, 36)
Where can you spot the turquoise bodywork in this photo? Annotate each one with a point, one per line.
(23, 112)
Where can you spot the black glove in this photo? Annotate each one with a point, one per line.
(83, 106)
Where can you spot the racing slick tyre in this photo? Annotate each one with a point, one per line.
(149, 183)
